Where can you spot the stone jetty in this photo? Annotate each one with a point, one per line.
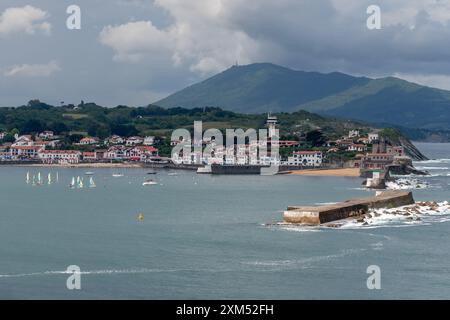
(353, 208)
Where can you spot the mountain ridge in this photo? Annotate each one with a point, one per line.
(266, 87)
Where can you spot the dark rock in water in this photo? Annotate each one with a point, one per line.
(360, 220)
(365, 224)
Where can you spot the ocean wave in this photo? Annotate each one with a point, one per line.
(432, 168)
(304, 262)
(419, 213)
(433, 161)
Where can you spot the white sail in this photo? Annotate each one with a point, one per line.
(49, 178)
(34, 180)
(39, 178)
(80, 184)
(57, 177)
(72, 184)
(28, 177)
(92, 183)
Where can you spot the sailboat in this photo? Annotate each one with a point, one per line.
(80, 184)
(49, 178)
(39, 178)
(57, 177)
(34, 180)
(72, 183)
(28, 177)
(91, 183)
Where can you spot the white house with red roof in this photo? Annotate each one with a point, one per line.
(88, 141)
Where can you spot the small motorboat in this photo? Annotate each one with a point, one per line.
(151, 172)
(89, 173)
(149, 182)
(117, 175)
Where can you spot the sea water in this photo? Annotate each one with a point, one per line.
(211, 237)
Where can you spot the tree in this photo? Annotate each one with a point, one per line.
(315, 138)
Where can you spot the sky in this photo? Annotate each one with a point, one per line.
(135, 52)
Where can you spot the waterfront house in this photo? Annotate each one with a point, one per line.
(133, 141)
(89, 156)
(116, 152)
(24, 152)
(60, 156)
(306, 158)
(142, 152)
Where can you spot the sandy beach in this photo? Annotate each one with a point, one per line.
(345, 172)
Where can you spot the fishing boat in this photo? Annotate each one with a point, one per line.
(92, 183)
(149, 182)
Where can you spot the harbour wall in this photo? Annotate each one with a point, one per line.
(347, 209)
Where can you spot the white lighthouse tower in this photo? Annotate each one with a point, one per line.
(271, 123)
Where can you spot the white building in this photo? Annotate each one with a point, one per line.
(114, 139)
(25, 140)
(357, 147)
(373, 137)
(353, 133)
(46, 134)
(60, 156)
(149, 140)
(306, 158)
(133, 141)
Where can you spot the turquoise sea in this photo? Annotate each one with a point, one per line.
(204, 237)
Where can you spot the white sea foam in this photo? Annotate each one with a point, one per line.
(91, 272)
(304, 262)
(417, 214)
(406, 184)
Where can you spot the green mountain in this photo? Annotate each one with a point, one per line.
(265, 87)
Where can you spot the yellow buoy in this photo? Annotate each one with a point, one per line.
(140, 216)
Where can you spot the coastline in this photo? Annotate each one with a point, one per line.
(344, 172)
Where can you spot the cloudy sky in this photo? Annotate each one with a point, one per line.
(136, 51)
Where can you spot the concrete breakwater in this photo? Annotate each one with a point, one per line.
(351, 208)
